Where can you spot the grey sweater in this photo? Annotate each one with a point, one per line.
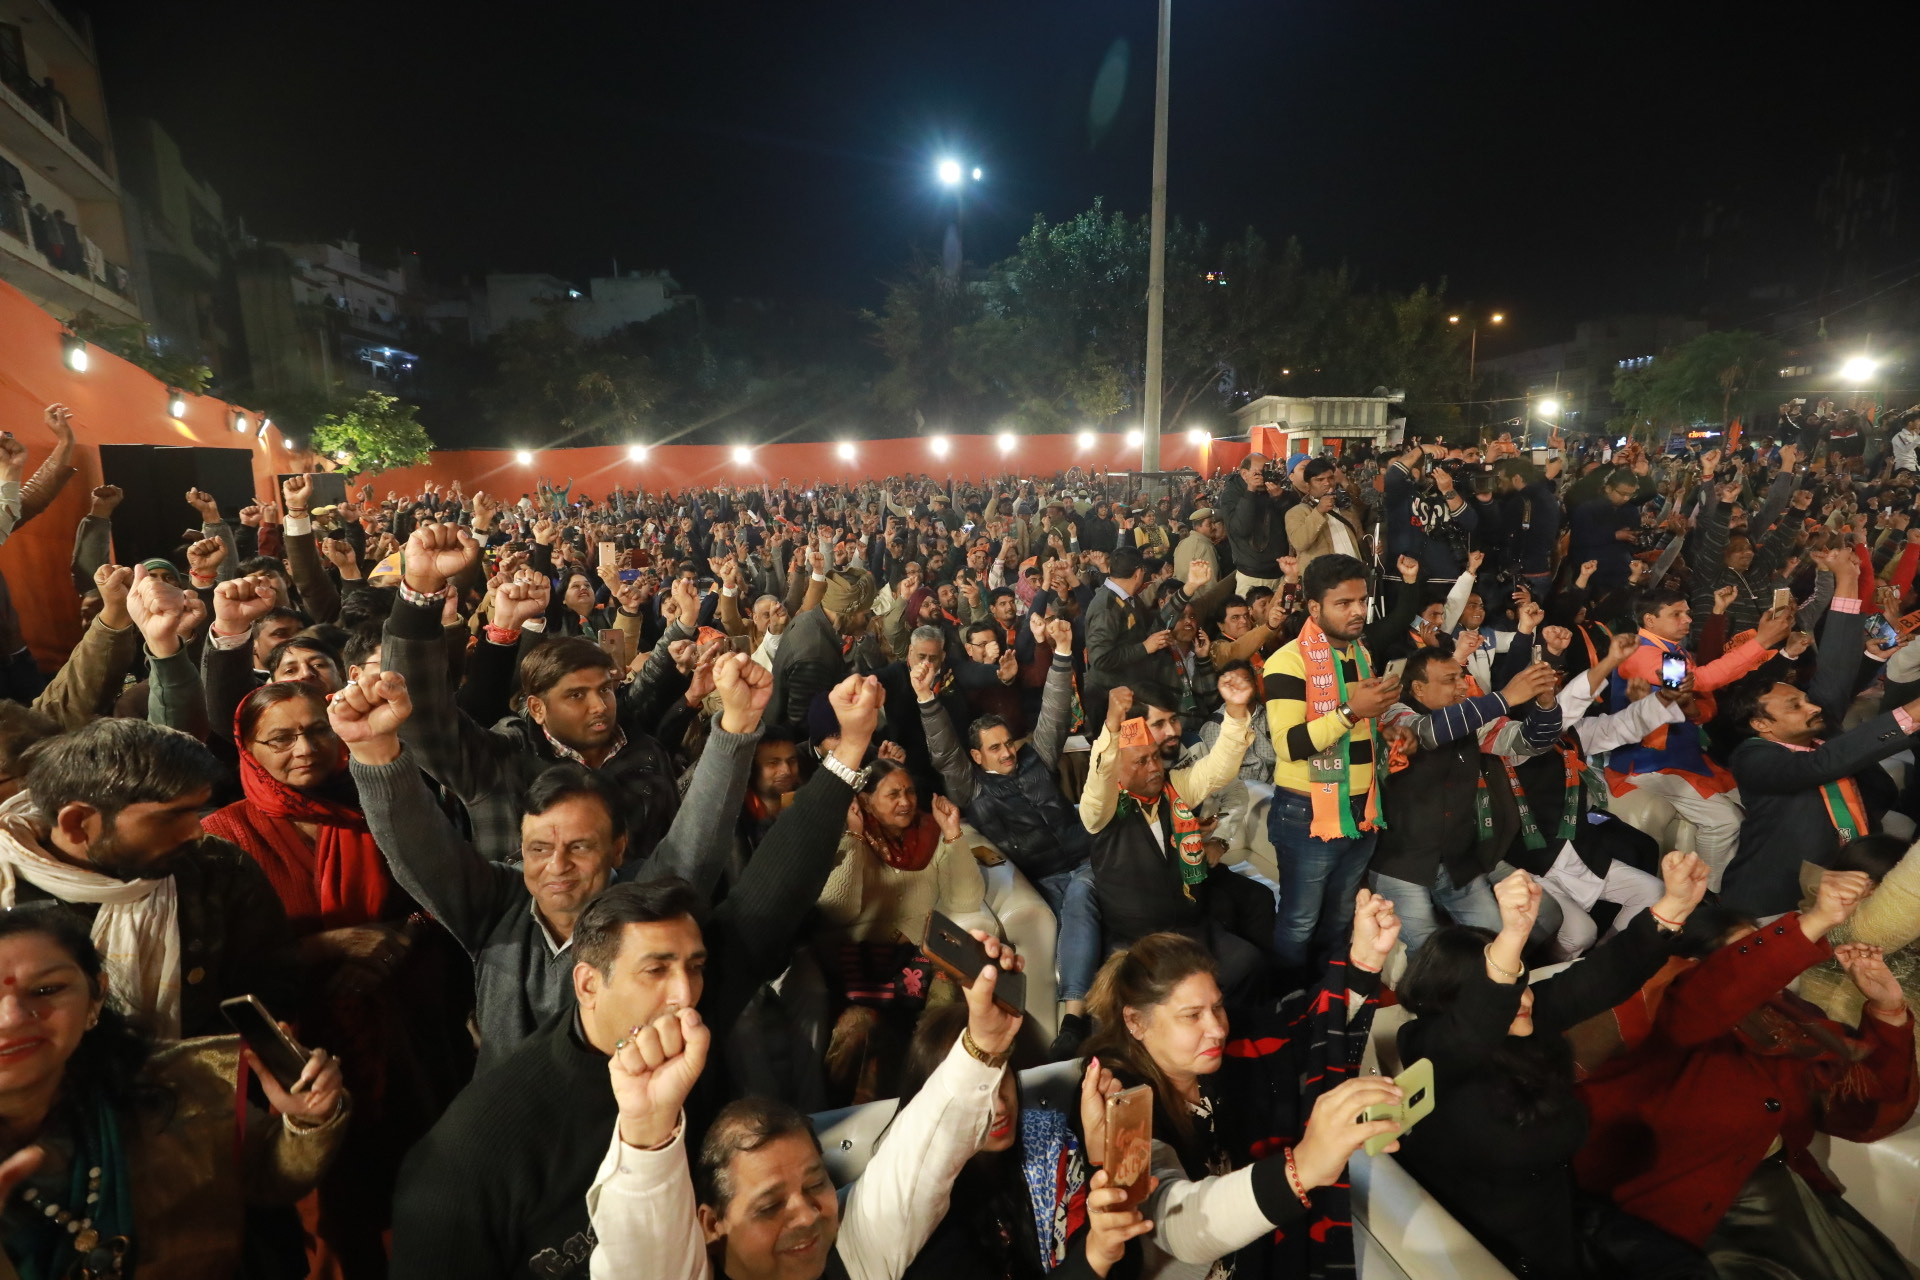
(521, 979)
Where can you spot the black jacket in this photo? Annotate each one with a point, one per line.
(1256, 526)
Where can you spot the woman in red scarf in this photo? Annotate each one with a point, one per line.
(392, 1008)
(896, 864)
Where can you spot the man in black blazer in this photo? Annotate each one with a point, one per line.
(1124, 635)
(1806, 793)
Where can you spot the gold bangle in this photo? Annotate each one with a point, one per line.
(980, 1055)
(1511, 974)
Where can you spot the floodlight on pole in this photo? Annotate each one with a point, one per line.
(1549, 408)
(1859, 369)
(948, 171)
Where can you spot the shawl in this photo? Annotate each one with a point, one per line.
(912, 851)
(137, 928)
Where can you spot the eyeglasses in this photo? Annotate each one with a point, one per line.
(317, 734)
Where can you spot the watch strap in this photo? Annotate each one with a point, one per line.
(855, 778)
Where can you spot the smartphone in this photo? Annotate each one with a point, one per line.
(1880, 631)
(1673, 671)
(607, 550)
(1783, 597)
(740, 644)
(282, 1055)
(959, 955)
(613, 642)
(1415, 1105)
(1129, 1161)
(629, 575)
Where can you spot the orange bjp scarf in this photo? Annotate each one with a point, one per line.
(1328, 773)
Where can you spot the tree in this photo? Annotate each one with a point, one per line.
(1697, 381)
(372, 433)
(129, 341)
(550, 386)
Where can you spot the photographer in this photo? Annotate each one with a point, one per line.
(1530, 519)
(1255, 499)
(1905, 441)
(1425, 514)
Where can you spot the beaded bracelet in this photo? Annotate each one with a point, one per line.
(1293, 1179)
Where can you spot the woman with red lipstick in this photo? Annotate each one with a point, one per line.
(136, 1153)
(1498, 1149)
(1249, 1163)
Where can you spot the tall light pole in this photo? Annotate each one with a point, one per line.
(1157, 250)
(1473, 343)
(953, 176)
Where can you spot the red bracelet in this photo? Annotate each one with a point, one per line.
(1364, 968)
(1293, 1179)
(1660, 919)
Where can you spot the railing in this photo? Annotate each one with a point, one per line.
(13, 215)
(52, 108)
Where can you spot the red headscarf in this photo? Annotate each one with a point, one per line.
(337, 881)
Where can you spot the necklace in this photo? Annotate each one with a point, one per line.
(97, 1258)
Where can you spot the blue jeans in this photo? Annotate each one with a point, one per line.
(1471, 903)
(1318, 880)
(1076, 952)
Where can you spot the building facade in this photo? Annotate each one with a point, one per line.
(63, 229)
(1285, 425)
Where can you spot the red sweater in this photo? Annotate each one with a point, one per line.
(1680, 1123)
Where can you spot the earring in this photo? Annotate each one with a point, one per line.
(93, 1022)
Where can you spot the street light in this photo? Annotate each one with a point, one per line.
(1859, 369)
(1473, 342)
(948, 171)
(1549, 408)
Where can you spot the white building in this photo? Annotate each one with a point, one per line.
(607, 303)
(63, 232)
(1284, 425)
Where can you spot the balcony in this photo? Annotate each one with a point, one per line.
(35, 122)
(36, 265)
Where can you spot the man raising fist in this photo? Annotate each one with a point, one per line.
(499, 1188)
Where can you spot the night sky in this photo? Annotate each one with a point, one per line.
(1553, 160)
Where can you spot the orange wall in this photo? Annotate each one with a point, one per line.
(113, 403)
(678, 466)
(118, 403)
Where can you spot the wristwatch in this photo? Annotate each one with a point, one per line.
(1347, 711)
(855, 778)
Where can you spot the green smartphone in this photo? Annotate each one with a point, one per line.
(1416, 1103)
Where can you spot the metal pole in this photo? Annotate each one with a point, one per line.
(1473, 350)
(1157, 252)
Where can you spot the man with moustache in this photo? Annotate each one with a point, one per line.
(109, 825)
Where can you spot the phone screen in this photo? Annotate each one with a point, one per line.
(1129, 1162)
(1673, 670)
(282, 1055)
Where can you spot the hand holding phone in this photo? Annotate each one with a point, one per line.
(1673, 671)
(1415, 1105)
(960, 956)
(279, 1052)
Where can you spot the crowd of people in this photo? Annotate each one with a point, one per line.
(587, 844)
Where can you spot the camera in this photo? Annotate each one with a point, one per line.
(1275, 472)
